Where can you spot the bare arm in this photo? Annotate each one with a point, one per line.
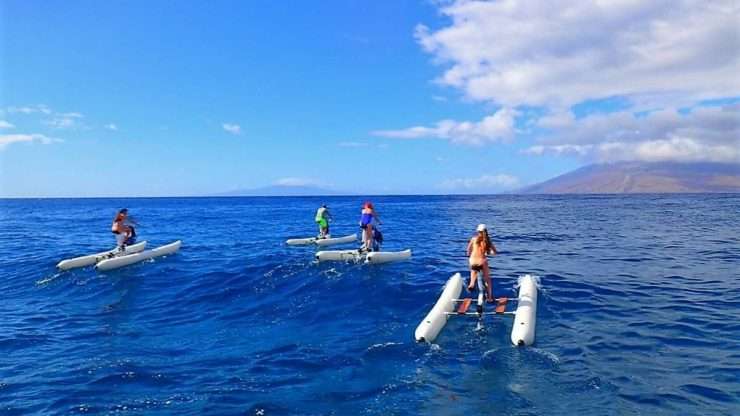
(493, 249)
(120, 227)
(470, 247)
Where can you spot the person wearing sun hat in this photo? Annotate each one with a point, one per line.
(479, 247)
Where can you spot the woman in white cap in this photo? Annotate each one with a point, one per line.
(478, 248)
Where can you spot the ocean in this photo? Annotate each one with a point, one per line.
(638, 311)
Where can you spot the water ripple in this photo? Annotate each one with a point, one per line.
(637, 310)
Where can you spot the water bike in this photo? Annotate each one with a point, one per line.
(321, 241)
(91, 259)
(116, 258)
(361, 256)
(364, 256)
(450, 305)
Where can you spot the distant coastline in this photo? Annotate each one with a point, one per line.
(623, 178)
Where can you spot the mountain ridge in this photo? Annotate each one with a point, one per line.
(643, 177)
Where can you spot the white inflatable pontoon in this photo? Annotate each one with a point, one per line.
(450, 304)
(121, 261)
(322, 242)
(374, 257)
(91, 259)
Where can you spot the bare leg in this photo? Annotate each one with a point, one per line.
(473, 279)
(369, 237)
(487, 276)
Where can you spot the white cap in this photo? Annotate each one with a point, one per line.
(481, 227)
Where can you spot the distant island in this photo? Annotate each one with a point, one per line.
(283, 190)
(643, 177)
(605, 178)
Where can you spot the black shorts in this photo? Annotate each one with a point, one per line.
(477, 267)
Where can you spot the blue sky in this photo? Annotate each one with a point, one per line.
(186, 98)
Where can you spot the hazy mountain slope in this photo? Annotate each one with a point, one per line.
(641, 177)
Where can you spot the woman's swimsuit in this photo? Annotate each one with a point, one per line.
(120, 237)
(477, 258)
(115, 229)
(365, 220)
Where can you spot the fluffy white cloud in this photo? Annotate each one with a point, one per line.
(294, 181)
(559, 53)
(6, 125)
(498, 127)
(705, 134)
(481, 184)
(111, 127)
(9, 139)
(234, 129)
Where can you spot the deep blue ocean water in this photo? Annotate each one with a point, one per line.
(638, 313)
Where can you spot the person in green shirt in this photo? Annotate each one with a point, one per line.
(322, 218)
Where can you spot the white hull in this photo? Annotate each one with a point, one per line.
(525, 318)
(375, 257)
(436, 319)
(94, 258)
(117, 262)
(525, 315)
(322, 242)
(339, 255)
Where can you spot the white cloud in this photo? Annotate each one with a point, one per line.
(704, 134)
(6, 125)
(65, 121)
(352, 144)
(9, 139)
(40, 108)
(295, 181)
(530, 58)
(483, 183)
(559, 53)
(234, 129)
(53, 119)
(498, 127)
(111, 126)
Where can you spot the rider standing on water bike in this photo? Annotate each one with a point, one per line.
(368, 220)
(479, 247)
(322, 219)
(125, 233)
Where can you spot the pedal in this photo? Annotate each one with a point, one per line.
(501, 304)
(464, 306)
